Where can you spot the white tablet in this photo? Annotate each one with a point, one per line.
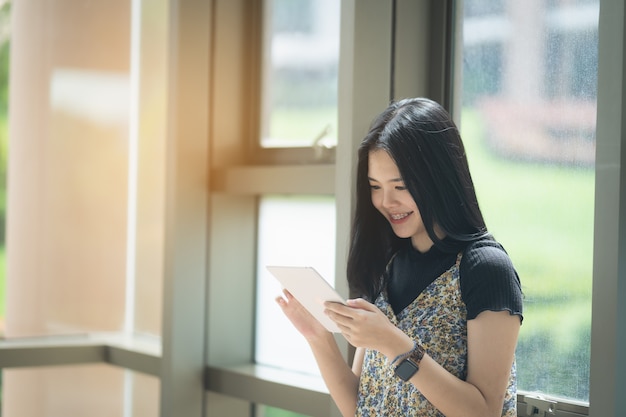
(310, 289)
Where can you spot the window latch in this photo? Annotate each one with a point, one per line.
(536, 405)
(320, 148)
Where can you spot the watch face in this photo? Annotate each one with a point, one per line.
(406, 370)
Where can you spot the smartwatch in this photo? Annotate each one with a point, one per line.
(406, 369)
(410, 364)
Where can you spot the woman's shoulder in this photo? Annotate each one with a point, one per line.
(489, 280)
(486, 261)
(484, 252)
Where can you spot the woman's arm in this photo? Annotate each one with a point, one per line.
(491, 340)
(492, 337)
(341, 382)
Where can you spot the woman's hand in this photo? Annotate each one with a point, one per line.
(302, 320)
(365, 326)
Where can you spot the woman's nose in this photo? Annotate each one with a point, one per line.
(389, 199)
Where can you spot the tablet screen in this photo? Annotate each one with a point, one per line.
(310, 289)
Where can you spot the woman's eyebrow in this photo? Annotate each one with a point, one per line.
(391, 180)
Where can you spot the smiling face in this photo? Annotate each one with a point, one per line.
(394, 201)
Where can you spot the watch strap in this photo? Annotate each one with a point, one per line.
(409, 362)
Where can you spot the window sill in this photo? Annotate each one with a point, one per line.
(301, 393)
(137, 353)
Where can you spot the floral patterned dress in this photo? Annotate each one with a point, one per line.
(437, 319)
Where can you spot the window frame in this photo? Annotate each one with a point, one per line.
(608, 332)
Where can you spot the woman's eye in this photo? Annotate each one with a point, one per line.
(374, 187)
(400, 188)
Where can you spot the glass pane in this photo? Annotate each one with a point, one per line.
(5, 40)
(266, 411)
(300, 67)
(85, 203)
(88, 182)
(293, 230)
(69, 157)
(528, 121)
(79, 390)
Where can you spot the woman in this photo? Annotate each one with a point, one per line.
(439, 335)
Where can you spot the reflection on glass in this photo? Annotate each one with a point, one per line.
(300, 67)
(5, 40)
(294, 230)
(265, 411)
(528, 121)
(80, 390)
(87, 121)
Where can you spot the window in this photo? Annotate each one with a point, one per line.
(299, 82)
(299, 96)
(214, 38)
(300, 69)
(528, 121)
(298, 231)
(293, 230)
(5, 41)
(86, 197)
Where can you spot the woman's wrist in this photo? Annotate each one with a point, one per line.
(399, 358)
(407, 364)
(398, 346)
(320, 338)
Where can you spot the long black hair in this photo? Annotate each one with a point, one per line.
(421, 138)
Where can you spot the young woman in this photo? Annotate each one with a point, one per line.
(438, 303)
